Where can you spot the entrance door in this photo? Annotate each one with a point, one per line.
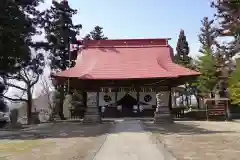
(127, 103)
(127, 110)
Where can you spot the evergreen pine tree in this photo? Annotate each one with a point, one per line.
(228, 12)
(207, 36)
(207, 62)
(207, 81)
(96, 34)
(182, 48)
(61, 33)
(87, 37)
(16, 28)
(182, 56)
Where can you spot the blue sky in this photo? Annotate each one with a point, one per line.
(143, 18)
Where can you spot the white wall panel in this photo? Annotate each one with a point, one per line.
(148, 97)
(120, 95)
(92, 98)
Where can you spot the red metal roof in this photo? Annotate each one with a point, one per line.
(126, 59)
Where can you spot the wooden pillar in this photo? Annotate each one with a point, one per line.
(116, 94)
(92, 112)
(162, 113)
(137, 90)
(170, 99)
(138, 104)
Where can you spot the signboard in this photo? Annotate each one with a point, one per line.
(92, 98)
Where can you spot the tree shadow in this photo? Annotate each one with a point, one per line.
(73, 129)
(180, 128)
(67, 129)
(86, 76)
(109, 49)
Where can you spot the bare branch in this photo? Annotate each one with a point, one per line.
(20, 97)
(45, 84)
(35, 81)
(14, 99)
(47, 91)
(15, 86)
(26, 76)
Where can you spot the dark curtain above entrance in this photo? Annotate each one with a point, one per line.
(129, 100)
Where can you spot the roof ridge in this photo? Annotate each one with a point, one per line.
(126, 42)
(131, 46)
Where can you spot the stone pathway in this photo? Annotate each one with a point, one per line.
(129, 141)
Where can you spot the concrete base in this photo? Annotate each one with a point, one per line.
(92, 115)
(56, 117)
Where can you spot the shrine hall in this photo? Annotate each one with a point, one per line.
(126, 77)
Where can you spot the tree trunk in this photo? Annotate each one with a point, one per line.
(61, 101)
(29, 106)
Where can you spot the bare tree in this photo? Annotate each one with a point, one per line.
(47, 91)
(28, 76)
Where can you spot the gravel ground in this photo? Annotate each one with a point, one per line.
(60, 141)
(198, 140)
